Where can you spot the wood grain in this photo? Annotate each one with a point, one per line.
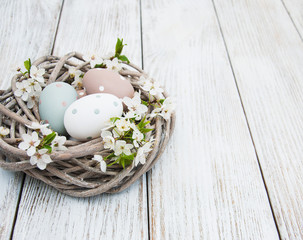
(295, 9)
(22, 23)
(89, 26)
(208, 184)
(267, 56)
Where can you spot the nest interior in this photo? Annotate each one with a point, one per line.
(72, 171)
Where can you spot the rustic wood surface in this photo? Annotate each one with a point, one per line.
(20, 38)
(233, 169)
(266, 56)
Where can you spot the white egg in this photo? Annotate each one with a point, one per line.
(85, 117)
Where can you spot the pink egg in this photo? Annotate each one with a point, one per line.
(100, 80)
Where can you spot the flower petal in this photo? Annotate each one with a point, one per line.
(23, 145)
(103, 166)
(31, 151)
(33, 160)
(34, 136)
(46, 158)
(41, 165)
(127, 151)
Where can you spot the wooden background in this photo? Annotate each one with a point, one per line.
(233, 168)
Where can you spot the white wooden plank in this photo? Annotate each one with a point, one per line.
(21, 25)
(267, 56)
(88, 26)
(207, 185)
(295, 9)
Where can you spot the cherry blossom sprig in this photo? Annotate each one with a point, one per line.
(163, 107)
(40, 144)
(126, 138)
(29, 89)
(112, 61)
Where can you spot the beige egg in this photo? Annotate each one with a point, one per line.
(100, 80)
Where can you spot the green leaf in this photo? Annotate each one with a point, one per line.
(49, 138)
(123, 58)
(109, 156)
(122, 162)
(114, 119)
(119, 47)
(117, 161)
(141, 123)
(28, 64)
(49, 148)
(145, 103)
(99, 66)
(145, 130)
(126, 160)
(161, 101)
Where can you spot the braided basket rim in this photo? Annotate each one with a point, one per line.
(71, 172)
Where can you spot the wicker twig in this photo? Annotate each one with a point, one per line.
(72, 172)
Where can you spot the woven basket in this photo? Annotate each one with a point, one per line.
(72, 171)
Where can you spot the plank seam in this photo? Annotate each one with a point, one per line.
(58, 23)
(17, 208)
(146, 175)
(246, 118)
(286, 9)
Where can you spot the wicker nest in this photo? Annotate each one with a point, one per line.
(72, 171)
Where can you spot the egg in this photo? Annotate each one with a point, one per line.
(54, 100)
(100, 80)
(85, 117)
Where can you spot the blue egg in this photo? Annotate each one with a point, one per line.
(54, 100)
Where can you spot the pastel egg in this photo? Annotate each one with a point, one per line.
(100, 80)
(54, 100)
(85, 118)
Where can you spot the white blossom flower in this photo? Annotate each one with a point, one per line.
(136, 109)
(77, 83)
(33, 97)
(41, 158)
(103, 164)
(167, 108)
(144, 81)
(123, 147)
(141, 153)
(58, 143)
(93, 59)
(122, 125)
(35, 86)
(23, 89)
(45, 131)
(109, 141)
(114, 64)
(153, 88)
(30, 142)
(43, 128)
(137, 137)
(3, 131)
(117, 133)
(155, 112)
(73, 72)
(37, 74)
(108, 55)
